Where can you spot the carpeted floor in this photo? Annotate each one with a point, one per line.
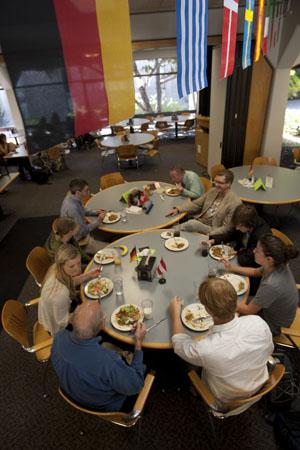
(174, 419)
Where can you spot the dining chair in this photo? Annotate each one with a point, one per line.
(206, 183)
(15, 323)
(283, 237)
(104, 151)
(127, 153)
(144, 127)
(265, 161)
(117, 128)
(215, 169)
(296, 155)
(290, 337)
(151, 150)
(223, 410)
(38, 263)
(56, 158)
(119, 418)
(187, 126)
(111, 179)
(154, 133)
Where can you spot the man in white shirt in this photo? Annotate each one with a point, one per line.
(234, 353)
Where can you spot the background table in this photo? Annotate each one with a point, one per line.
(20, 152)
(181, 118)
(136, 122)
(110, 199)
(285, 190)
(133, 139)
(186, 270)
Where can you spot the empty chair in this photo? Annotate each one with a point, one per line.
(215, 169)
(265, 161)
(221, 411)
(127, 153)
(162, 125)
(56, 158)
(104, 151)
(119, 418)
(296, 155)
(111, 179)
(206, 183)
(15, 323)
(144, 127)
(290, 337)
(187, 126)
(283, 237)
(153, 149)
(116, 128)
(38, 263)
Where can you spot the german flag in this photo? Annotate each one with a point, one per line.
(70, 64)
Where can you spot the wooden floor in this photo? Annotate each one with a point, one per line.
(5, 180)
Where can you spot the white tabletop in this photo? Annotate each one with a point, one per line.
(185, 271)
(20, 152)
(136, 122)
(110, 199)
(285, 190)
(134, 139)
(179, 118)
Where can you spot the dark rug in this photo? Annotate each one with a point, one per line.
(14, 248)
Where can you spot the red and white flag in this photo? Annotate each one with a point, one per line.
(230, 16)
(161, 268)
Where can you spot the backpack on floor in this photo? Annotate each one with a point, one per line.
(40, 175)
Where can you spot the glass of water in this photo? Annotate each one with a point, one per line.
(124, 216)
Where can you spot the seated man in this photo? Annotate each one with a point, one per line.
(89, 373)
(72, 206)
(234, 353)
(187, 182)
(248, 228)
(212, 211)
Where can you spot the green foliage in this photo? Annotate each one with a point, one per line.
(294, 84)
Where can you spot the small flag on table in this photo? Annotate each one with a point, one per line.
(161, 270)
(133, 254)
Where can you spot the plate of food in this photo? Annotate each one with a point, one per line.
(167, 234)
(172, 192)
(126, 316)
(105, 256)
(98, 287)
(221, 251)
(239, 283)
(176, 244)
(196, 318)
(111, 217)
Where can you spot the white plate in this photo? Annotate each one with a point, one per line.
(167, 234)
(235, 280)
(128, 327)
(104, 281)
(105, 256)
(107, 215)
(174, 244)
(168, 191)
(227, 249)
(198, 312)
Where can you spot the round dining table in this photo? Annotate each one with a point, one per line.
(185, 272)
(180, 118)
(133, 139)
(135, 122)
(285, 189)
(110, 199)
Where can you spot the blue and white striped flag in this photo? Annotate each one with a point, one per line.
(191, 20)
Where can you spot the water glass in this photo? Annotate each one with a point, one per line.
(212, 271)
(220, 269)
(118, 285)
(123, 216)
(147, 306)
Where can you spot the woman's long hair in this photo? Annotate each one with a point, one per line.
(280, 252)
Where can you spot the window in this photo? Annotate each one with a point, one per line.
(155, 84)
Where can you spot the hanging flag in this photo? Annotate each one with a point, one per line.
(133, 255)
(191, 24)
(260, 21)
(161, 268)
(266, 28)
(249, 11)
(230, 16)
(70, 63)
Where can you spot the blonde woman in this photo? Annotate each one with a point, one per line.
(65, 230)
(59, 288)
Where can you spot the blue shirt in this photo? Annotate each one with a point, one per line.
(72, 207)
(193, 186)
(93, 375)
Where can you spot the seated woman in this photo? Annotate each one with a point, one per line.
(64, 232)
(23, 163)
(248, 228)
(277, 297)
(58, 290)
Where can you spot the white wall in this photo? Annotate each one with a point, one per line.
(217, 109)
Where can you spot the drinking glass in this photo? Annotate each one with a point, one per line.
(123, 216)
(204, 248)
(118, 285)
(147, 306)
(212, 271)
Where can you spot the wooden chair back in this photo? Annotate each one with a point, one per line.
(206, 183)
(127, 152)
(116, 128)
(119, 418)
(296, 155)
(189, 123)
(290, 337)
(214, 404)
(283, 237)
(215, 169)
(14, 321)
(111, 179)
(54, 153)
(38, 263)
(144, 127)
(121, 133)
(161, 125)
(265, 161)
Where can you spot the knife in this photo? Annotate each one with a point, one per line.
(155, 324)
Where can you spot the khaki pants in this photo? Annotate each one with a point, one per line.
(194, 225)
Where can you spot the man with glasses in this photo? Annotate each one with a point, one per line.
(212, 212)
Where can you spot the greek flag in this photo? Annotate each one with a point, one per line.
(191, 21)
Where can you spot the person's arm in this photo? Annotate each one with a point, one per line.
(175, 310)
(195, 188)
(86, 276)
(225, 237)
(251, 308)
(247, 271)
(77, 213)
(61, 307)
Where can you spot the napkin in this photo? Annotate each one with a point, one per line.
(246, 183)
(134, 210)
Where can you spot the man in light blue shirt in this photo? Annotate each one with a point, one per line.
(187, 182)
